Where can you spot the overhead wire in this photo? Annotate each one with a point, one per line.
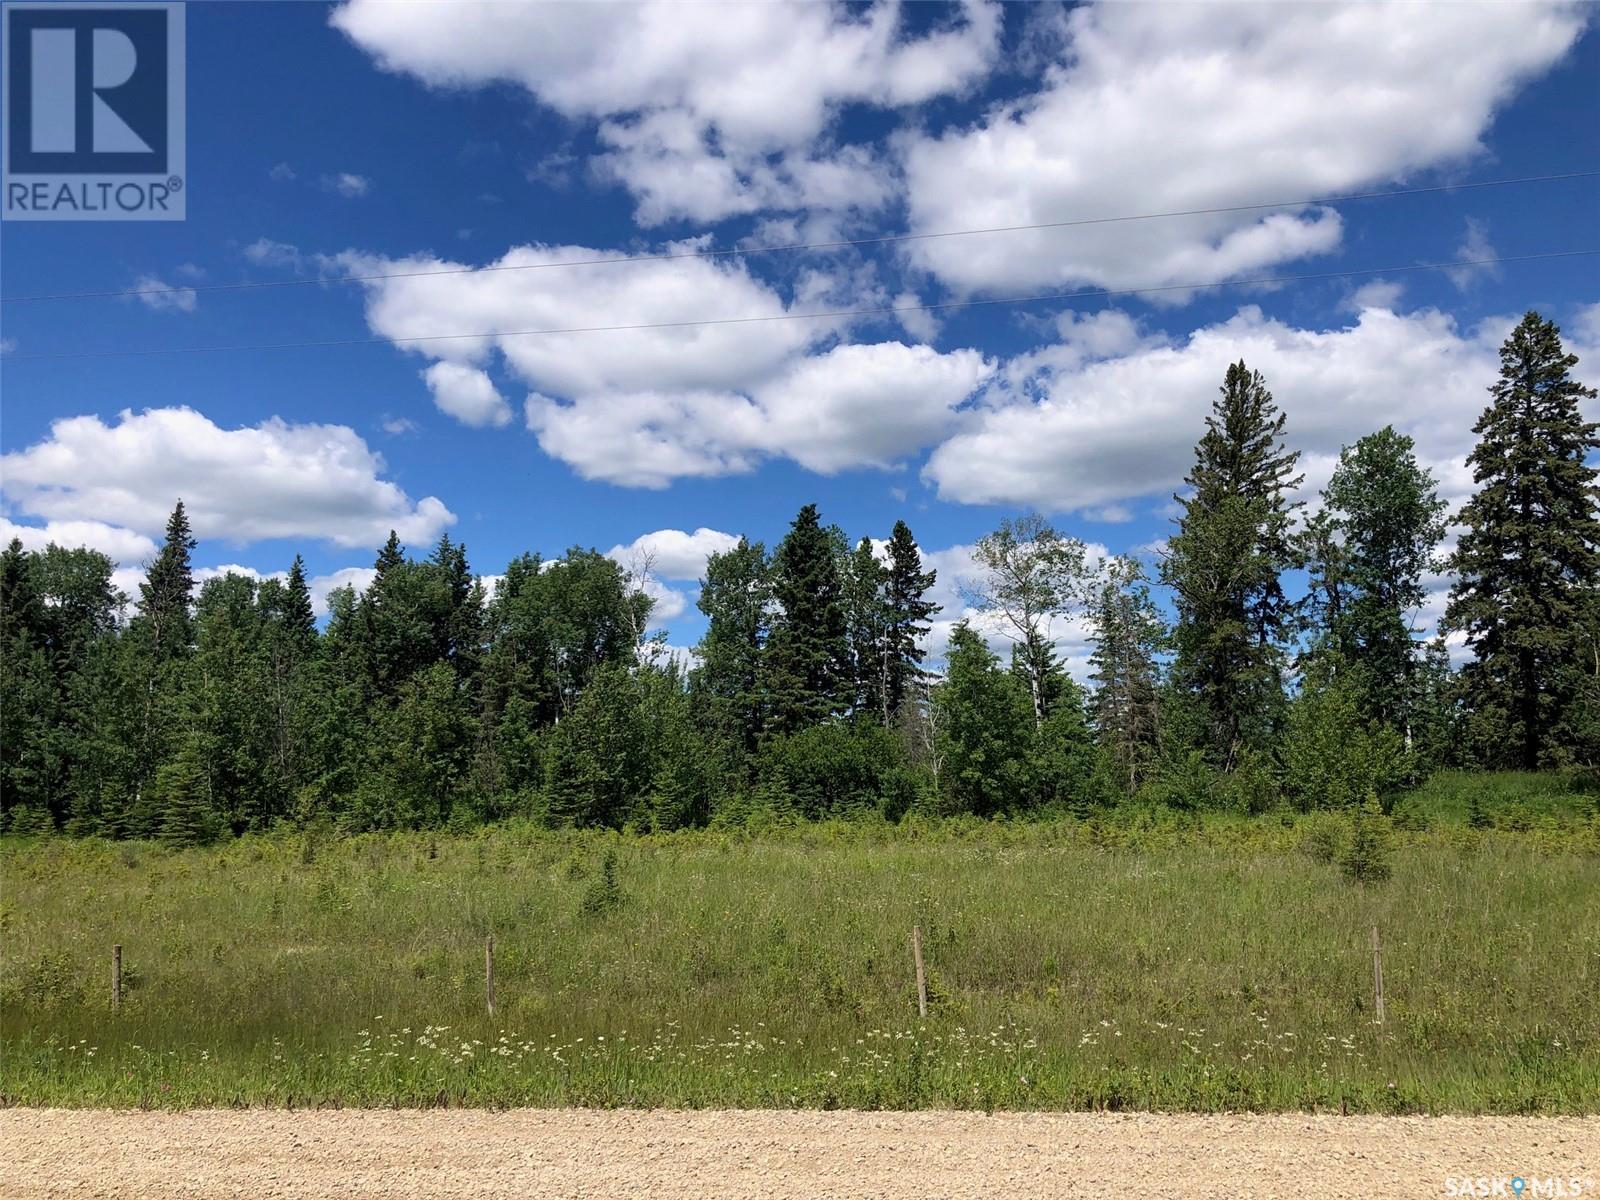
(825, 314)
(778, 248)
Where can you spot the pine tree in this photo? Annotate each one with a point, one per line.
(29, 688)
(736, 597)
(908, 616)
(808, 652)
(181, 794)
(392, 555)
(1224, 566)
(1529, 559)
(165, 593)
(1128, 634)
(163, 633)
(299, 618)
(866, 603)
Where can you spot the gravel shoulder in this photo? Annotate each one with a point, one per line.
(665, 1155)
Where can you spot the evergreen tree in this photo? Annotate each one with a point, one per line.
(164, 595)
(1066, 762)
(182, 799)
(1224, 567)
(736, 597)
(866, 604)
(600, 768)
(1528, 561)
(391, 555)
(29, 716)
(808, 652)
(299, 619)
(163, 633)
(1434, 705)
(909, 613)
(230, 709)
(1128, 634)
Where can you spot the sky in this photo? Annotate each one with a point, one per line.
(554, 167)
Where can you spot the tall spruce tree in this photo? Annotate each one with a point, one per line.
(808, 652)
(163, 633)
(299, 617)
(730, 682)
(1225, 563)
(1528, 561)
(908, 617)
(1127, 636)
(164, 596)
(866, 604)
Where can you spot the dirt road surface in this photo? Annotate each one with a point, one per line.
(265, 1154)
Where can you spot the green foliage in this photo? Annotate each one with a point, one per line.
(986, 730)
(180, 796)
(729, 684)
(1368, 855)
(604, 892)
(1225, 564)
(24, 820)
(426, 704)
(1324, 835)
(599, 761)
(1528, 564)
(1128, 634)
(839, 770)
(1368, 551)
(1067, 763)
(1031, 575)
(1333, 755)
(807, 656)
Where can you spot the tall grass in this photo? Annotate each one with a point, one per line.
(1140, 961)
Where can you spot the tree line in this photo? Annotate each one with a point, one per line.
(1287, 668)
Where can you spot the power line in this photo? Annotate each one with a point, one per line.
(807, 316)
(794, 246)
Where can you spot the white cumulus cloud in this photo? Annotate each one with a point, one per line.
(1063, 431)
(1175, 107)
(674, 553)
(272, 480)
(467, 394)
(704, 110)
(645, 406)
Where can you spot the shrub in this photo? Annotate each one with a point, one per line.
(838, 770)
(1333, 758)
(1323, 835)
(1366, 858)
(604, 891)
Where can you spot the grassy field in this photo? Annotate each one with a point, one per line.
(1140, 961)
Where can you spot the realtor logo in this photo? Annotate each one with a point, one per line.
(93, 119)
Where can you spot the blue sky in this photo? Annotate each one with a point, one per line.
(374, 139)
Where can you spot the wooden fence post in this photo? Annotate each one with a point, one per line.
(1377, 974)
(922, 977)
(116, 978)
(488, 971)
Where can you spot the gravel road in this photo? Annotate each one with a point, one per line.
(665, 1155)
